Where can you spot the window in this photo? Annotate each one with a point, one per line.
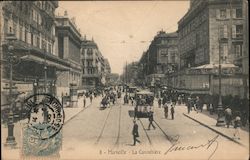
(223, 31)
(32, 36)
(15, 28)
(238, 50)
(6, 26)
(237, 31)
(224, 49)
(223, 13)
(89, 51)
(237, 13)
(21, 32)
(43, 44)
(38, 40)
(50, 48)
(26, 35)
(172, 57)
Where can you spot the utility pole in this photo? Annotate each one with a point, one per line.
(45, 71)
(245, 49)
(126, 78)
(10, 141)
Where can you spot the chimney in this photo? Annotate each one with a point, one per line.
(65, 13)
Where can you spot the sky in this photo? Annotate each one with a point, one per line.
(123, 29)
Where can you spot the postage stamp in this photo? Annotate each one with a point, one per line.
(42, 135)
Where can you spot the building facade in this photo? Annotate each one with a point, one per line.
(161, 58)
(93, 65)
(32, 24)
(211, 28)
(68, 48)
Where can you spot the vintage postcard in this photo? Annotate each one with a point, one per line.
(124, 80)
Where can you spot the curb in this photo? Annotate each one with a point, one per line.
(76, 114)
(220, 133)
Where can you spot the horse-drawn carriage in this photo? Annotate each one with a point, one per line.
(107, 99)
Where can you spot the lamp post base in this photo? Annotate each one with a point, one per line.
(220, 120)
(10, 141)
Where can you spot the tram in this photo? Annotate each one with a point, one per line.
(145, 103)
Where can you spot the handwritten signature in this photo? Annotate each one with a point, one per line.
(175, 147)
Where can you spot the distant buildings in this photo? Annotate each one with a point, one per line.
(161, 58)
(95, 66)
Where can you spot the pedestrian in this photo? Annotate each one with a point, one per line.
(237, 125)
(189, 105)
(165, 106)
(244, 118)
(228, 116)
(91, 98)
(125, 99)
(159, 102)
(132, 101)
(199, 104)
(136, 112)
(151, 119)
(211, 108)
(135, 133)
(172, 111)
(84, 100)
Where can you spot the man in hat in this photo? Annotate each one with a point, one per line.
(151, 119)
(228, 116)
(135, 133)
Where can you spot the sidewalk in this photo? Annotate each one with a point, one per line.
(209, 121)
(70, 113)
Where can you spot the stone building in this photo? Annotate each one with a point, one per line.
(161, 58)
(210, 28)
(93, 65)
(35, 66)
(68, 48)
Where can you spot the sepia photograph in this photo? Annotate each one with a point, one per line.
(124, 80)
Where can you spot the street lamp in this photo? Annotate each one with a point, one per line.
(10, 141)
(45, 71)
(220, 119)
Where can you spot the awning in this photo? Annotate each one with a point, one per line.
(211, 66)
(42, 61)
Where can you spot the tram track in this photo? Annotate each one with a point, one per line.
(144, 129)
(119, 127)
(169, 138)
(106, 120)
(172, 140)
(103, 127)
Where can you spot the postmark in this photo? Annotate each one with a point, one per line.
(42, 135)
(45, 115)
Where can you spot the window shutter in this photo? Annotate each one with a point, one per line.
(217, 13)
(29, 37)
(225, 34)
(228, 13)
(225, 49)
(233, 31)
(234, 13)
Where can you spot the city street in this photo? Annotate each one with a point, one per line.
(108, 134)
